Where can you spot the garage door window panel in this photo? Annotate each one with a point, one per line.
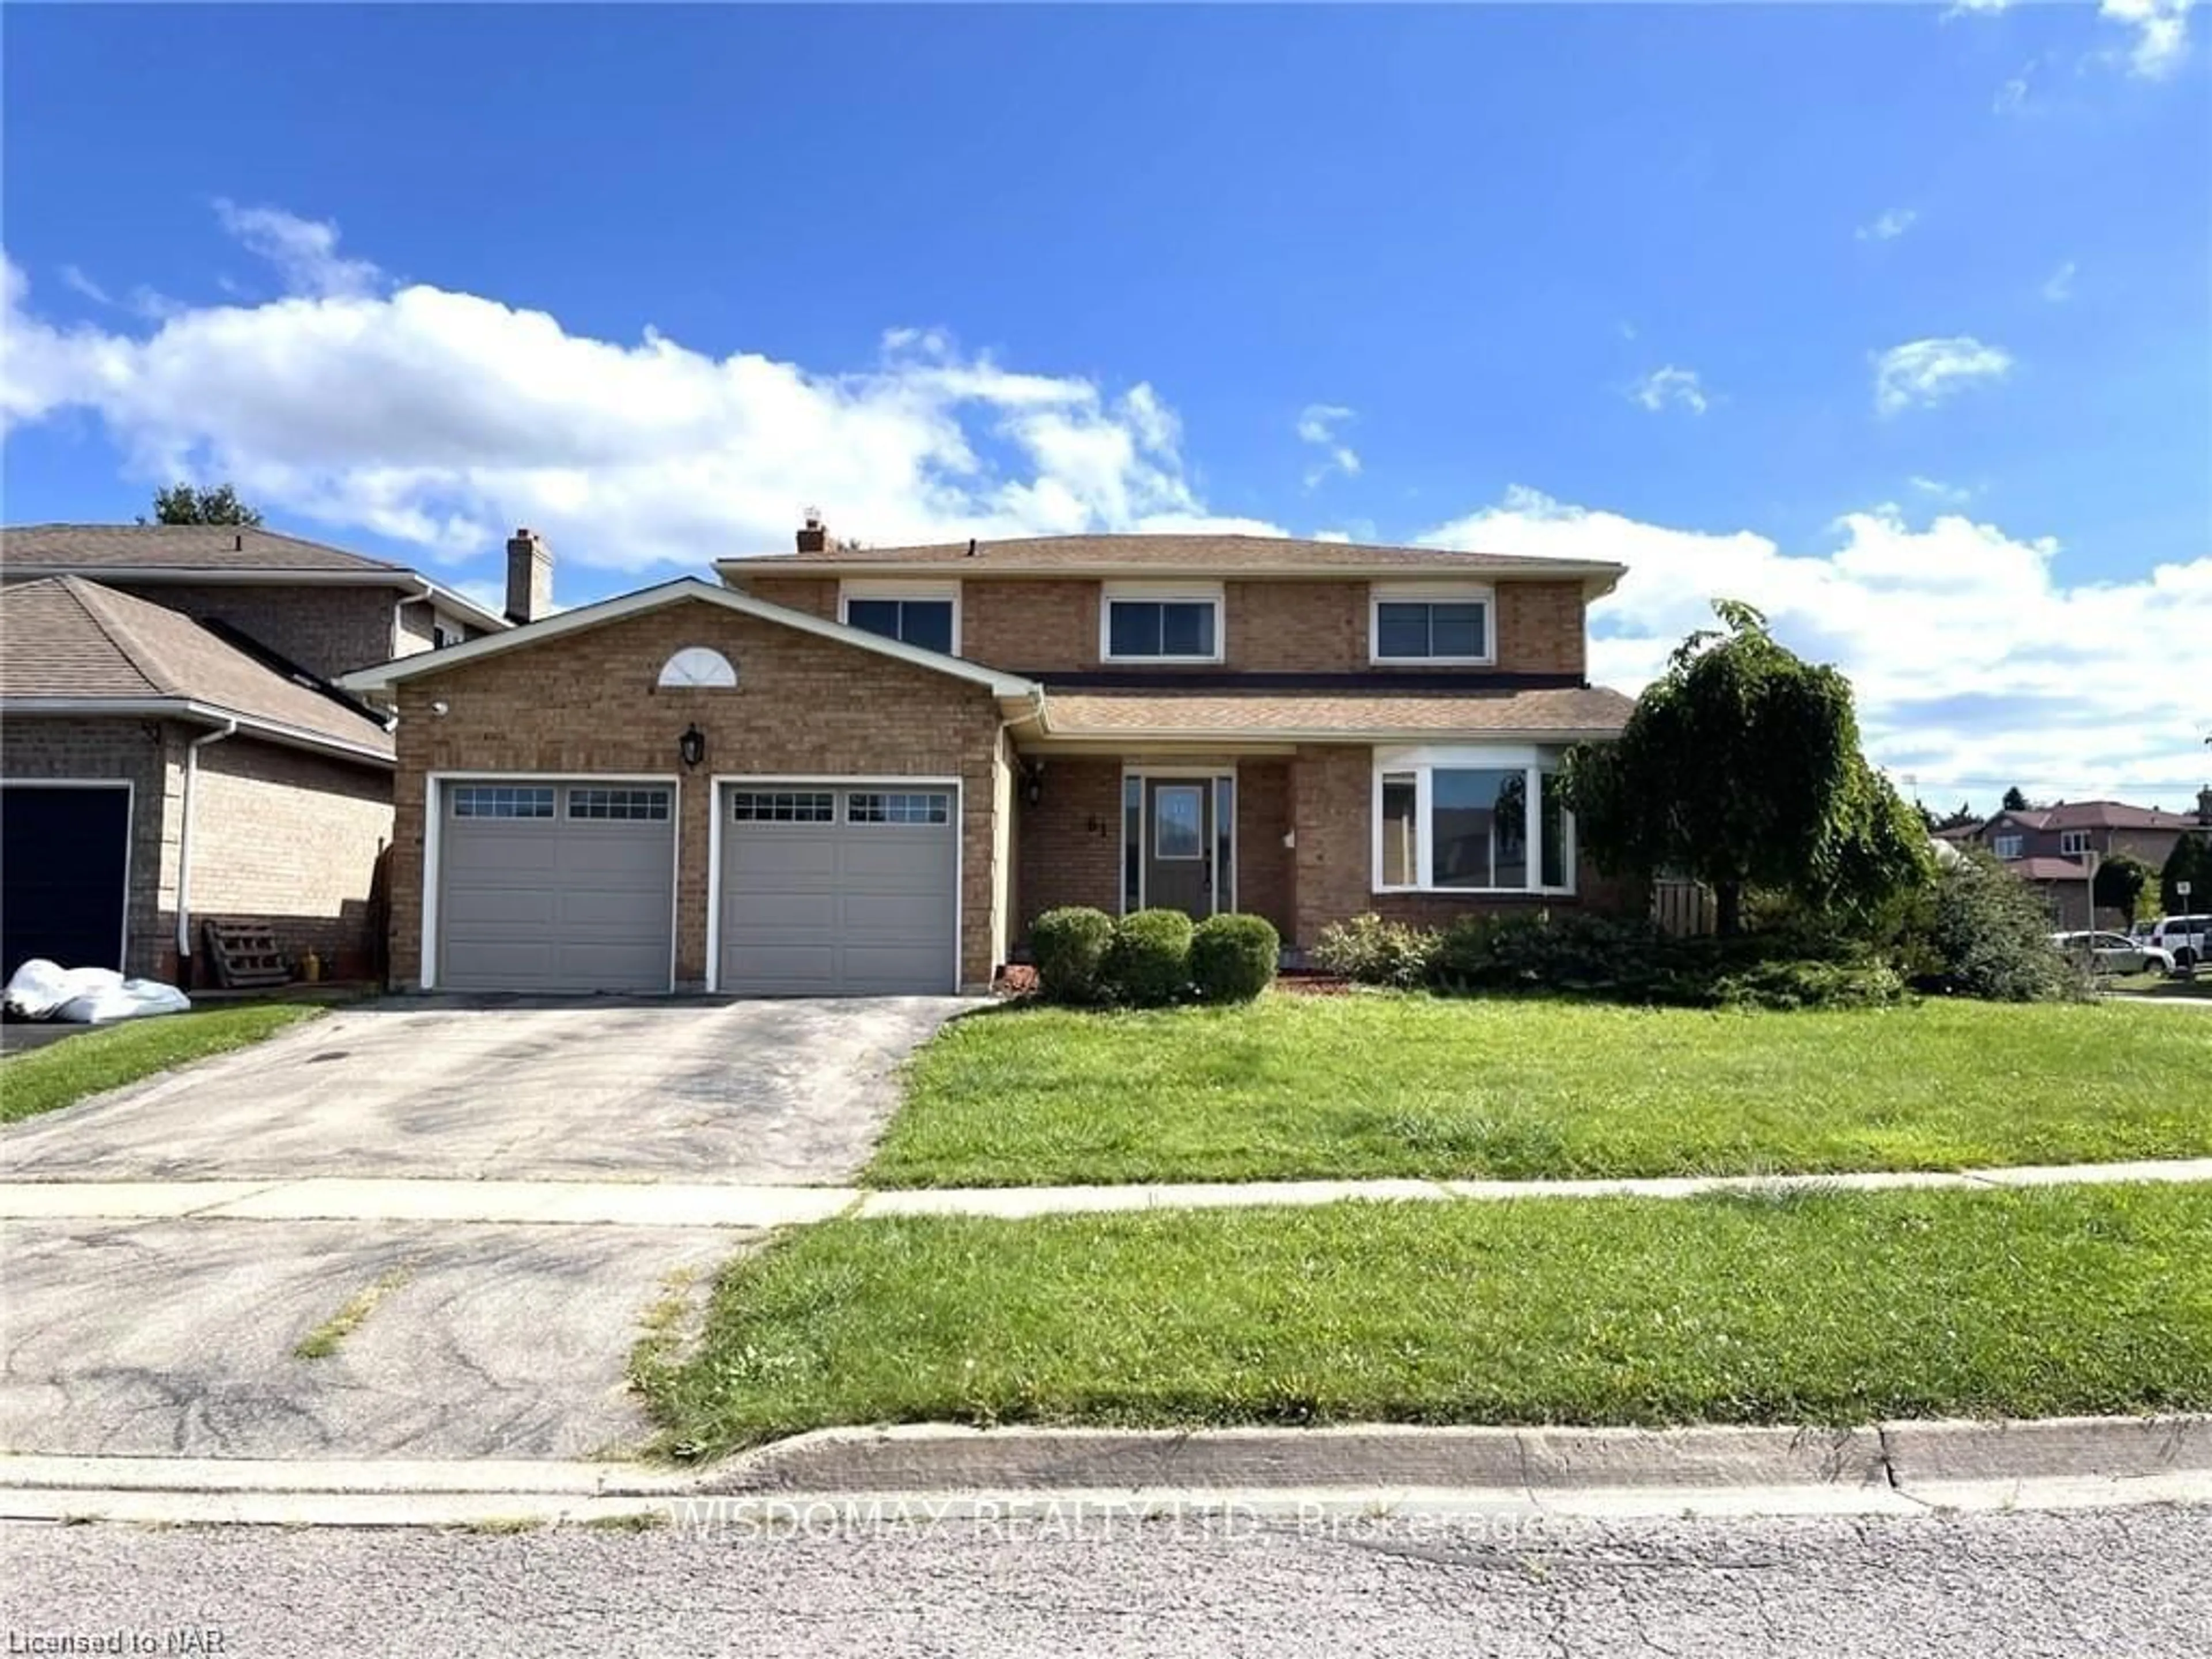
(868, 808)
(632, 805)
(783, 806)
(477, 800)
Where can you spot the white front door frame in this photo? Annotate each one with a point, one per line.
(1139, 771)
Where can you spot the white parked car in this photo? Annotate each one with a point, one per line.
(2115, 953)
(2187, 939)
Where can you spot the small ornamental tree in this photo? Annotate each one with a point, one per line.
(1740, 766)
(2190, 862)
(2119, 885)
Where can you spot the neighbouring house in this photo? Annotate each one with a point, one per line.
(173, 746)
(848, 770)
(2049, 846)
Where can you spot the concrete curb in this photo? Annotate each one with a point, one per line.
(936, 1473)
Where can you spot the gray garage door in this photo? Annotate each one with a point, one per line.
(829, 890)
(553, 886)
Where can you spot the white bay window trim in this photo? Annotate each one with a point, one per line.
(945, 592)
(1382, 594)
(1420, 766)
(1112, 593)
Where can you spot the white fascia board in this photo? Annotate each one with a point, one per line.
(682, 590)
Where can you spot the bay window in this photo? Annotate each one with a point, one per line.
(1471, 820)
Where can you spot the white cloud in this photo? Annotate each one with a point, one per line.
(1926, 372)
(1936, 490)
(1318, 426)
(1984, 8)
(2059, 287)
(2012, 96)
(2161, 29)
(1973, 656)
(1668, 385)
(441, 419)
(77, 282)
(305, 252)
(1888, 227)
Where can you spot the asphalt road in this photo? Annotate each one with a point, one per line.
(2115, 1584)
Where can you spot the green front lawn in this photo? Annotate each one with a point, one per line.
(42, 1080)
(1379, 1084)
(1824, 1309)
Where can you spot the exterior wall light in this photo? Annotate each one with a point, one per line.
(692, 746)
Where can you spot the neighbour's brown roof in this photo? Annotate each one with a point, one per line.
(1563, 712)
(2049, 869)
(67, 638)
(1168, 554)
(184, 546)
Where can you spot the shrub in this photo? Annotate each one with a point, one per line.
(1232, 957)
(1374, 951)
(1070, 947)
(1148, 964)
(1800, 984)
(1986, 934)
(1570, 951)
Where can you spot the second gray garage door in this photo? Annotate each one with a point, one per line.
(830, 889)
(553, 886)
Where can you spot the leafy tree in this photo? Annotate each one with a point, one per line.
(2120, 882)
(182, 504)
(2190, 862)
(2013, 801)
(1740, 766)
(1960, 818)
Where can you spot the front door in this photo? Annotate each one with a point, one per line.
(1179, 845)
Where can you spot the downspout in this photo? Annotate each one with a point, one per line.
(185, 846)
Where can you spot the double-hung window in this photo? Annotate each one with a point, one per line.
(1170, 623)
(1431, 622)
(925, 614)
(2072, 843)
(1471, 820)
(2006, 847)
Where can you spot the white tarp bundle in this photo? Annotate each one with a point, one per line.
(88, 996)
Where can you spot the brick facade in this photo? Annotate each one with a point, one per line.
(278, 834)
(1313, 626)
(293, 839)
(327, 629)
(1068, 845)
(587, 702)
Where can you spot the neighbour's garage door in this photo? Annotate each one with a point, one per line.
(829, 890)
(550, 885)
(65, 860)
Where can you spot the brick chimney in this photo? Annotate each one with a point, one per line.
(813, 535)
(2205, 805)
(529, 577)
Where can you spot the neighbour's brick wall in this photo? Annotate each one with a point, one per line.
(1267, 882)
(803, 707)
(1332, 802)
(144, 754)
(817, 596)
(327, 630)
(292, 839)
(1061, 858)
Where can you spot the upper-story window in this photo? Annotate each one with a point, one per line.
(1430, 624)
(1169, 623)
(444, 633)
(924, 614)
(2072, 843)
(2006, 847)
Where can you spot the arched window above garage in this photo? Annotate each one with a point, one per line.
(698, 666)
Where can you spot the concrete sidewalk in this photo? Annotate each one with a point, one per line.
(680, 1205)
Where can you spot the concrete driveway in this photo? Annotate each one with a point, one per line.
(511, 1088)
(474, 1339)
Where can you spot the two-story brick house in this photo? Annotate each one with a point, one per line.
(867, 770)
(173, 744)
(2050, 847)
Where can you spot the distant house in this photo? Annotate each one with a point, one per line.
(2048, 845)
(174, 746)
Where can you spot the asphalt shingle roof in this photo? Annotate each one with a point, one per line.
(182, 546)
(1277, 554)
(1564, 711)
(65, 636)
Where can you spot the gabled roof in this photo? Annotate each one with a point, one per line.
(683, 590)
(1164, 555)
(2049, 869)
(199, 546)
(71, 646)
(212, 553)
(1553, 714)
(2095, 815)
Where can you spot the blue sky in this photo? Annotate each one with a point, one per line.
(1896, 321)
